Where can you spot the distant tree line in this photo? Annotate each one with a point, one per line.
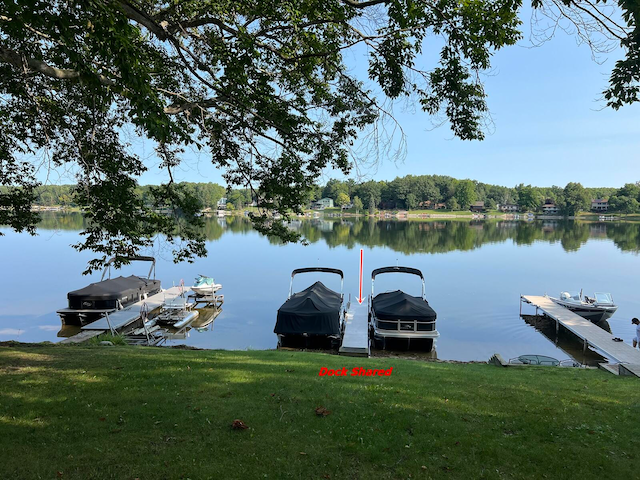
(438, 191)
(416, 236)
(410, 192)
(208, 194)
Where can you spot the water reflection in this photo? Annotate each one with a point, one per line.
(417, 236)
(565, 340)
(476, 272)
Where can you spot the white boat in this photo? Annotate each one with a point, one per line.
(176, 318)
(595, 309)
(205, 286)
(177, 312)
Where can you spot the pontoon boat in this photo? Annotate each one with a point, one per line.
(399, 315)
(316, 311)
(91, 302)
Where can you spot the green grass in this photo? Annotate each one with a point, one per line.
(115, 339)
(126, 413)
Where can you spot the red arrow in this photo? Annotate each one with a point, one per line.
(360, 299)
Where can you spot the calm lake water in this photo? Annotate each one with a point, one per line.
(474, 270)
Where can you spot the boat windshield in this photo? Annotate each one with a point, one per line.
(603, 298)
(571, 297)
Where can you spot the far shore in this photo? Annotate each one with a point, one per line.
(399, 214)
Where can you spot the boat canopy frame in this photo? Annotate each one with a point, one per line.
(317, 269)
(409, 270)
(139, 258)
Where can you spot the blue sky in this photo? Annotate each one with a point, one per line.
(550, 126)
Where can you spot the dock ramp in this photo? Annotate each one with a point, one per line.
(355, 341)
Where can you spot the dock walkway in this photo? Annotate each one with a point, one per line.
(121, 318)
(355, 341)
(590, 334)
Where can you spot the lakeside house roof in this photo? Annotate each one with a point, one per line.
(599, 200)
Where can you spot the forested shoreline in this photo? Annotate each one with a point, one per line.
(409, 192)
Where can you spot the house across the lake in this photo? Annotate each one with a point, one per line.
(508, 207)
(599, 205)
(477, 207)
(549, 207)
(429, 205)
(322, 204)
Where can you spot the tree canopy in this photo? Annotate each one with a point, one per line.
(261, 86)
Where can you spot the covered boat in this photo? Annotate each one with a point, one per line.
(91, 302)
(316, 311)
(596, 309)
(397, 314)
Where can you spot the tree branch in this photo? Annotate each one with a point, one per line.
(14, 58)
(369, 3)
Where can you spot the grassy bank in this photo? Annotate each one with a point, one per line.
(126, 413)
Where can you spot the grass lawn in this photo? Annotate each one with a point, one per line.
(149, 413)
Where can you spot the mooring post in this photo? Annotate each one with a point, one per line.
(521, 305)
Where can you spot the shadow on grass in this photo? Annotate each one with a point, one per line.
(122, 412)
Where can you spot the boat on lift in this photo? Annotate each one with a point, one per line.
(178, 312)
(205, 286)
(93, 301)
(595, 309)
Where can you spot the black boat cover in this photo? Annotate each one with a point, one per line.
(105, 293)
(401, 306)
(314, 310)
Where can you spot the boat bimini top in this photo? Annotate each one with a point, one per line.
(316, 310)
(317, 269)
(107, 266)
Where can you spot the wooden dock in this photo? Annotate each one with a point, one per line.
(591, 335)
(122, 318)
(355, 341)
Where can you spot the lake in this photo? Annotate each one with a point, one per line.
(474, 272)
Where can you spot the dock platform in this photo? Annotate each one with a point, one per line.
(355, 341)
(591, 335)
(122, 318)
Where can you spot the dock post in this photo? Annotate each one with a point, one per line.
(520, 305)
(584, 346)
